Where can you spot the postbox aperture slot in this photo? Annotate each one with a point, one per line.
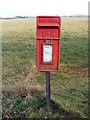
(47, 26)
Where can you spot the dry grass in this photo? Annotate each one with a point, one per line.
(26, 88)
(80, 70)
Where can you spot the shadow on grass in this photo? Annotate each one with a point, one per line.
(56, 110)
(36, 108)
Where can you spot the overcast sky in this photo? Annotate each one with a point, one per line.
(11, 8)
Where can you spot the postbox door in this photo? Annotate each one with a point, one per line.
(48, 43)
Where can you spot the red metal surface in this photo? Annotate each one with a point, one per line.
(48, 28)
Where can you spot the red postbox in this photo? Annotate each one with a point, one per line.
(48, 43)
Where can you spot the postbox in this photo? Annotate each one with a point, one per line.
(48, 43)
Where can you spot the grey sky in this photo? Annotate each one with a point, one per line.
(10, 8)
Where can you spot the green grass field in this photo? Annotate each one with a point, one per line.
(24, 86)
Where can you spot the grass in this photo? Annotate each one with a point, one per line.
(24, 86)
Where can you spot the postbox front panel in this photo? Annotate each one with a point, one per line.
(48, 43)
